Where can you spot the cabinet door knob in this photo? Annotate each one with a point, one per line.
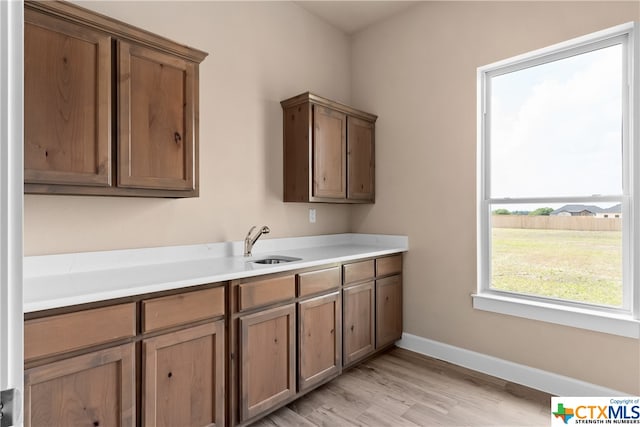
(177, 137)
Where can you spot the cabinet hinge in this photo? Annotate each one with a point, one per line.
(9, 407)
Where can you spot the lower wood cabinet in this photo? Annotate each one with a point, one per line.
(388, 300)
(173, 356)
(95, 389)
(373, 309)
(388, 310)
(164, 354)
(184, 377)
(267, 359)
(320, 339)
(359, 311)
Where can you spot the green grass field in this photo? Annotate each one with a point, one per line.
(583, 266)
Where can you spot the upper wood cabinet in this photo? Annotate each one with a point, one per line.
(360, 159)
(67, 101)
(156, 141)
(329, 151)
(77, 64)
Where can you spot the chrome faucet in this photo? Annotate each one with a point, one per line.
(250, 241)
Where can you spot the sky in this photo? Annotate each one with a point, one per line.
(556, 128)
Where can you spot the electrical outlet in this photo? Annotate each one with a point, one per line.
(312, 215)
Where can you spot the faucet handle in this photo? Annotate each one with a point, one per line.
(264, 229)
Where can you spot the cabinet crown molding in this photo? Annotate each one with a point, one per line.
(334, 105)
(71, 12)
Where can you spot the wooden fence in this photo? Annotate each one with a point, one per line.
(583, 223)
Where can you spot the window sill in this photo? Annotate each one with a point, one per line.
(613, 324)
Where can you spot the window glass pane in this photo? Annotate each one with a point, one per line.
(571, 251)
(555, 129)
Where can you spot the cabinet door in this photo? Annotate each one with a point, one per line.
(267, 355)
(184, 377)
(358, 334)
(360, 158)
(320, 339)
(95, 389)
(67, 103)
(388, 310)
(157, 142)
(329, 153)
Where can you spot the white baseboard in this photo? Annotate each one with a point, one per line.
(558, 385)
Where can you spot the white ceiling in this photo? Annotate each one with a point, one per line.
(353, 16)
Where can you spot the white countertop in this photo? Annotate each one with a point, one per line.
(52, 281)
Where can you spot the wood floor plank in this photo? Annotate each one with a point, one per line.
(379, 416)
(422, 414)
(331, 417)
(287, 417)
(309, 402)
(404, 389)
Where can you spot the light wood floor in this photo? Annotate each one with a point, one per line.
(401, 388)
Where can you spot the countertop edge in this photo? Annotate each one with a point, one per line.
(372, 250)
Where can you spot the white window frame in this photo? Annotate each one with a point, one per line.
(625, 320)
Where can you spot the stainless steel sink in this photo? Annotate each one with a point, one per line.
(275, 259)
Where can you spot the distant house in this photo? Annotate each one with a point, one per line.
(612, 212)
(589, 210)
(577, 210)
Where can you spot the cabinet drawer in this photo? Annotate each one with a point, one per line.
(358, 271)
(73, 331)
(388, 265)
(263, 292)
(318, 281)
(183, 308)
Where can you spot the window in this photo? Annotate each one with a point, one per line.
(556, 199)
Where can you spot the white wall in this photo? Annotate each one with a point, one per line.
(417, 71)
(259, 54)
